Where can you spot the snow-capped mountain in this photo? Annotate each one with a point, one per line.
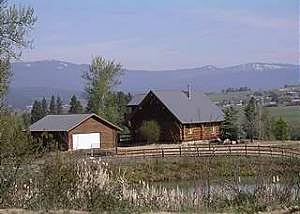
(66, 76)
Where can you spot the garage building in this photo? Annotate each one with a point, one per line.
(77, 131)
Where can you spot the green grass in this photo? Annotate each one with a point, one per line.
(189, 169)
(239, 95)
(289, 113)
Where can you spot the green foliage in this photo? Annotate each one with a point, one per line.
(37, 111)
(26, 119)
(101, 79)
(16, 149)
(75, 106)
(150, 131)
(15, 23)
(4, 78)
(52, 106)
(281, 129)
(250, 123)
(230, 129)
(59, 105)
(44, 107)
(265, 125)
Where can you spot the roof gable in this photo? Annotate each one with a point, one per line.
(198, 109)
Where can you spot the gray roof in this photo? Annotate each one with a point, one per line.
(63, 122)
(198, 109)
(136, 99)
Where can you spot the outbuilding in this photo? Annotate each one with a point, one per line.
(77, 131)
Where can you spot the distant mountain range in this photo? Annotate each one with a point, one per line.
(43, 78)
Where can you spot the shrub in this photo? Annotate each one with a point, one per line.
(150, 131)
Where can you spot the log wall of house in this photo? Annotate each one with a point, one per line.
(153, 109)
(202, 131)
(108, 135)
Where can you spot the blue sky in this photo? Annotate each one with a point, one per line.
(166, 34)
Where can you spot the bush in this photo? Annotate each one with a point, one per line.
(150, 131)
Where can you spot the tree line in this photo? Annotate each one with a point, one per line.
(253, 122)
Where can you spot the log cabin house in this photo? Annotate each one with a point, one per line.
(77, 131)
(181, 115)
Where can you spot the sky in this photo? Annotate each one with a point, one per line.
(166, 34)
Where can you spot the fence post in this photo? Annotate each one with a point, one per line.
(271, 151)
(116, 150)
(180, 151)
(246, 150)
(144, 153)
(162, 153)
(282, 152)
(258, 148)
(229, 150)
(198, 151)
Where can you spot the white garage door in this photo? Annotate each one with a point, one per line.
(86, 141)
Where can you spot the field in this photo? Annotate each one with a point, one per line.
(289, 113)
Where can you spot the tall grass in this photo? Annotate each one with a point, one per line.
(65, 182)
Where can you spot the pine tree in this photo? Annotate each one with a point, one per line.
(75, 106)
(281, 129)
(230, 127)
(52, 107)
(37, 111)
(59, 105)
(250, 122)
(44, 107)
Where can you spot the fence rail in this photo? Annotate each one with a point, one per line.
(200, 151)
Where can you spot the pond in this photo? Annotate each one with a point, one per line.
(231, 186)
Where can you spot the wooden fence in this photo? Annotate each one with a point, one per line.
(200, 151)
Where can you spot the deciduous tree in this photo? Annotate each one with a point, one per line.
(101, 79)
(15, 24)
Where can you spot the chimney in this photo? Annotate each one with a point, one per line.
(189, 92)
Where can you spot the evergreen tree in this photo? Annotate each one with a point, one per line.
(101, 78)
(75, 106)
(250, 122)
(281, 129)
(44, 106)
(230, 127)
(37, 111)
(59, 105)
(52, 107)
